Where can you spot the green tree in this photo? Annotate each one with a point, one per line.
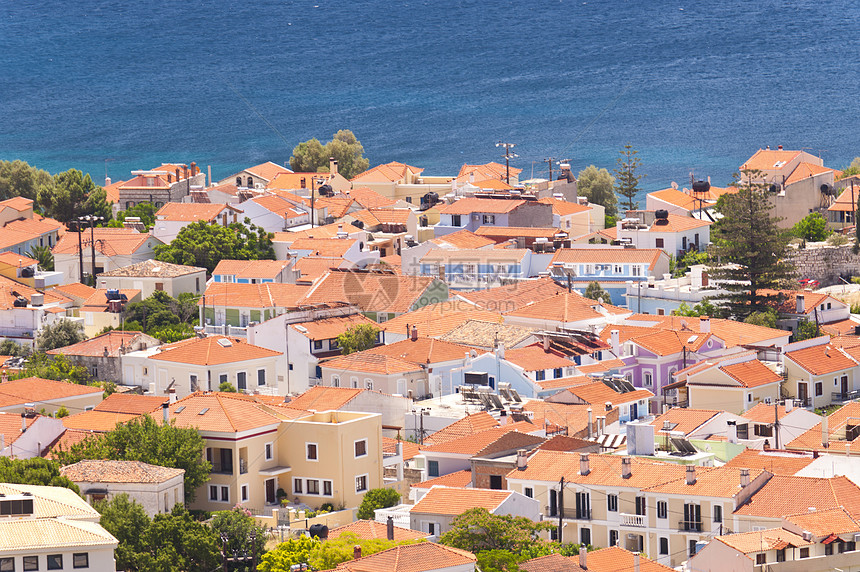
(595, 291)
(42, 255)
(172, 333)
(203, 244)
(374, 499)
(293, 551)
(690, 258)
(749, 249)
(60, 334)
(497, 561)
(227, 387)
(852, 169)
(129, 523)
(10, 348)
(143, 439)
(598, 186)
(72, 194)
(35, 471)
(179, 543)
(812, 227)
(62, 412)
(703, 308)
(313, 157)
(327, 555)
(241, 531)
(144, 211)
(477, 530)
(58, 367)
(806, 329)
(766, 318)
(18, 179)
(358, 338)
(626, 179)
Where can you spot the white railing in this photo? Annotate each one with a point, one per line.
(637, 520)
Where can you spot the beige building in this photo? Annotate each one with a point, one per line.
(818, 374)
(732, 384)
(256, 450)
(155, 276)
(114, 248)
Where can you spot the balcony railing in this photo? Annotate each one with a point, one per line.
(581, 514)
(637, 520)
(690, 525)
(243, 466)
(220, 469)
(845, 396)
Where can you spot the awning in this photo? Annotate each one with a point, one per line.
(676, 385)
(274, 471)
(829, 539)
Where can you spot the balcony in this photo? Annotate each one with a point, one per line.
(581, 514)
(635, 520)
(690, 525)
(219, 469)
(839, 397)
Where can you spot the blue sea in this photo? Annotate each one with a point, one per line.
(107, 87)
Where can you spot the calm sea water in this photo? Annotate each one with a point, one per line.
(120, 85)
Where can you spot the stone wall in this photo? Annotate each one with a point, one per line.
(826, 263)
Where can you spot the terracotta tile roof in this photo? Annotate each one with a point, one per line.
(677, 198)
(369, 198)
(387, 173)
(130, 403)
(509, 298)
(370, 363)
(312, 268)
(371, 291)
(410, 449)
(724, 482)
(460, 479)
(36, 389)
(823, 523)
(771, 501)
(845, 327)
(845, 342)
(598, 393)
(10, 426)
(609, 255)
(452, 501)
(508, 232)
(683, 419)
(469, 205)
(256, 296)
(564, 208)
(293, 198)
(534, 357)
(483, 334)
(19, 204)
(76, 290)
(376, 216)
(112, 341)
(763, 413)
(53, 534)
(109, 241)
(325, 231)
(320, 398)
(441, 318)
(99, 421)
(98, 301)
(275, 204)
(475, 443)
(775, 462)
(10, 290)
(153, 269)
(23, 230)
(752, 373)
(565, 443)
(222, 413)
(337, 207)
(250, 268)
(212, 350)
(844, 202)
(609, 560)
(731, 332)
(468, 425)
(267, 170)
(565, 307)
(104, 471)
(17, 260)
(328, 328)
(821, 359)
(554, 562)
(785, 301)
(601, 367)
(667, 342)
(492, 185)
(564, 382)
(370, 529)
(837, 423)
(762, 540)
(65, 441)
(192, 212)
(463, 239)
(766, 159)
(806, 170)
(491, 170)
(421, 557)
(324, 246)
(678, 223)
(422, 351)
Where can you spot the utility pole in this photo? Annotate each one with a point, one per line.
(92, 220)
(80, 250)
(560, 509)
(549, 160)
(508, 156)
(776, 424)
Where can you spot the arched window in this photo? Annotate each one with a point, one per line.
(250, 183)
(238, 181)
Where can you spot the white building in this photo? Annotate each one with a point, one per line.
(155, 276)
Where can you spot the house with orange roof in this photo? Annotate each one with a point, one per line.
(603, 560)
(398, 181)
(436, 509)
(462, 479)
(834, 433)
(473, 212)
(382, 372)
(492, 171)
(796, 306)
(504, 299)
(610, 266)
(467, 269)
(255, 177)
(21, 229)
(349, 249)
(371, 530)
(421, 557)
(390, 229)
(26, 434)
(25, 270)
(632, 403)
(274, 213)
(672, 233)
(114, 248)
(229, 307)
(202, 364)
(698, 202)
(47, 395)
(256, 449)
(102, 354)
(392, 408)
(662, 296)
(818, 374)
(436, 320)
(25, 310)
(169, 182)
(841, 212)
(576, 218)
(171, 218)
(564, 311)
(254, 272)
(411, 254)
(152, 276)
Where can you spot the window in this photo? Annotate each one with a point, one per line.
(496, 482)
(368, 384)
(780, 555)
(664, 545)
(225, 494)
(585, 536)
(80, 560)
(647, 379)
(31, 563)
(540, 375)
(313, 487)
(659, 243)
(636, 269)
(261, 377)
(618, 270)
(662, 509)
(244, 490)
(241, 381)
(221, 378)
(159, 286)
(7, 565)
(718, 513)
(213, 493)
(804, 552)
(612, 505)
(613, 537)
(297, 486)
(433, 468)
(760, 559)
(55, 561)
(269, 452)
(360, 448)
(489, 219)
(431, 528)
(558, 372)
(819, 389)
(312, 451)
(360, 483)
(692, 547)
(327, 488)
(192, 382)
(640, 506)
(529, 492)
(455, 220)
(317, 344)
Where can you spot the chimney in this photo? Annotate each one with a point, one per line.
(105, 352)
(503, 417)
(636, 562)
(177, 173)
(732, 427)
(705, 324)
(801, 304)
(691, 474)
(194, 169)
(171, 395)
(332, 166)
(414, 335)
(165, 412)
(789, 405)
(825, 437)
(584, 467)
(500, 350)
(626, 468)
(583, 557)
(389, 528)
(615, 342)
(745, 478)
(107, 181)
(23, 423)
(522, 459)
(779, 147)
(546, 343)
(590, 423)
(356, 552)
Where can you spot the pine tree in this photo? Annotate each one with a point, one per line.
(626, 179)
(749, 251)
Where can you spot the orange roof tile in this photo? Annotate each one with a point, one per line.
(564, 208)
(456, 479)
(722, 482)
(491, 170)
(251, 268)
(312, 268)
(534, 357)
(113, 342)
(222, 412)
(610, 559)
(806, 170)
(767, 159)
(837, 423)
(275, 204)
(370, 529)
(370, 363)
(324, 246)
(469, 205)
(678, 223)
(387, 173)
(192, 212)
(468, 425)
(267, 170)
(785, 301)
(410, 449)
(731, 332)
(509, 298)
(775, 462)
(463, 239)
(268, 295)
(291, 181)
(598, 393)
(17, 260)
(36, 389)
(411, 558)
(600, 367)
(369, 198)
(452, 501)
(508, 232)
(684, 420)
(19, 204)
(328, 328)
(763, 413)
(752, 373)
(112, 471)
(439, 319)
(75, 289)
(771, 501)
(676, 197)
(130, 403)
(66, 440)
(99, 421)
(821, 359)
(565, 307)
(476, 442)
(109, 241)
(371, 291)
(212, 350)
(823, 523)
(422, 351)
(609, 255)
(762, 540)
(322, 398)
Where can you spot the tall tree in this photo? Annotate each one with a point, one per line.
(43, 255)
(240, 530)
(143, 439)
(749, 251)
(35, 471)
(72, 194)
(595, 291)
(18, 179)
(374, 499)
(477, 530)
(60, 334)
(358, 338)
(626, 179)
(313, 157)
(598, 186)
(204, 244)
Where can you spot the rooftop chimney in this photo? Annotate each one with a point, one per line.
(356, 552)
(636, 562)
(23, 423)
(583, 557)
(615, 342)
(165, 411)
(825, 437)
(105, 352)
(801, 304)
(732, 428)
(584, 467)
(626, 468)
(171, 395)
(789, 405)
(389, 527)
(691, 474)
(590, 423)
(779, 147)
(705, 324)
(522, 459)
(414, 335)
(745, 478)
(546, 343)
(332, 166)
(107, 181)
